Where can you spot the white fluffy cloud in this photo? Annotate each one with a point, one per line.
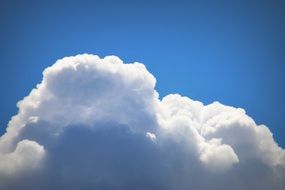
(99, 123)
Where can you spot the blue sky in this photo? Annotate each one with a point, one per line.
(227, 51)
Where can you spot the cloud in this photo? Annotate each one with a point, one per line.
(99, 123)
(27, 154)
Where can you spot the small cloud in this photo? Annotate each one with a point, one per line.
(151, 136)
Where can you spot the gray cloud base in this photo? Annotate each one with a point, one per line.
(98, 123)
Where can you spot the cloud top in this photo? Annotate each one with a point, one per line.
(99, 123)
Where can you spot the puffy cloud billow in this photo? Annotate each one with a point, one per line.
(99, 124)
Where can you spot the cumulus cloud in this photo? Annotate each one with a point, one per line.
(99, 123)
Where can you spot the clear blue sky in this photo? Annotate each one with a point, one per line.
(227, 51)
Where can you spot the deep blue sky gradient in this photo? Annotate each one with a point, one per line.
(227, 51)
